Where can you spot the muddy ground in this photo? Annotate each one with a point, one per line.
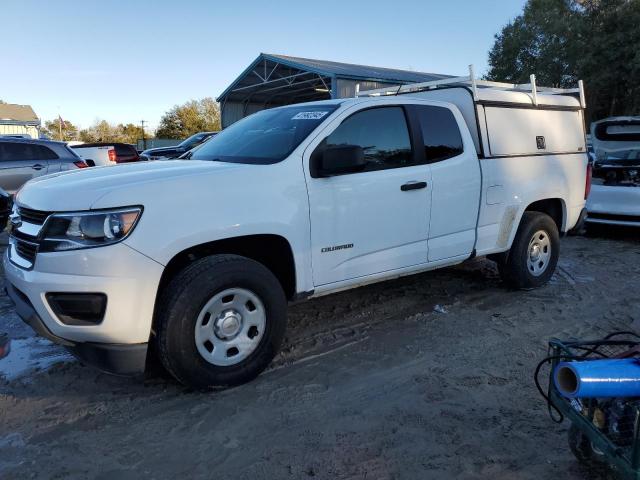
(424, 377)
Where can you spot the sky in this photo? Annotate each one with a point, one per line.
(126, 61)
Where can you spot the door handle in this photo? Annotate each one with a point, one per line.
(37, 166)
(413, 186)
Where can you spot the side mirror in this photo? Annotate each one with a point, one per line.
(337, 160)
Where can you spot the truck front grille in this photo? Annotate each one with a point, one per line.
(36, 217)
(26, 250)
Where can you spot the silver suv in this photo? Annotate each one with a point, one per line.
(22, 159)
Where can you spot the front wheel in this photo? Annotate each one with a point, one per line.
(221, 321)
(534, 253)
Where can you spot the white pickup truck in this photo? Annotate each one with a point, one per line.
(199, 257)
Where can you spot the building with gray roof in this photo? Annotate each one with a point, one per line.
(275, 80)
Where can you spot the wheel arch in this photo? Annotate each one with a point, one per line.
(554, 207)
(272, 251)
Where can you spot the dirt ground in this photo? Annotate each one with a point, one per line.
(424, 377)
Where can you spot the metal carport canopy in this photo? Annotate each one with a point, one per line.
(279, 79)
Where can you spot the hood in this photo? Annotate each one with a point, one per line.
(81, 189)
(161, 151)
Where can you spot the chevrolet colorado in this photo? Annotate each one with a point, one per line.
(200, 257)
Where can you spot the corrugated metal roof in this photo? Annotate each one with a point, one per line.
(286, 65)
(21, 113)
(351, 70)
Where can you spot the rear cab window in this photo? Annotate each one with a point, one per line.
(440, 133)
(618, 131)
(125, 150)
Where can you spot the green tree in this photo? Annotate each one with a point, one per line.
(538, 41)
(100, 131)
(564, 40)
(608, 56)
(52, 130)
(103, 131)
(192, 117)
(130, 133)
(86, 136)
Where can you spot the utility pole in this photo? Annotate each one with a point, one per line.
(144, 140)
(59, 124)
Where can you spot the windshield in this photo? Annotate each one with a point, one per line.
(618, 131)
(193, 140)
(265, 137)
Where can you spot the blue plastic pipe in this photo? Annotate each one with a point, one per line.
(598, 378)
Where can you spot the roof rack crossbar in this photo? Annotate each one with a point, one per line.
(534, 91)
(471, 81)
(474, 83)
(410, 87)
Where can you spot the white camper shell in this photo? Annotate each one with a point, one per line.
(509, 119)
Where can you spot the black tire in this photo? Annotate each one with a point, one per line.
(581, 447)
(515, 269)
(184, 299)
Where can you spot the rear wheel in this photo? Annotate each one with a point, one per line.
(221, 321)
(534, 253)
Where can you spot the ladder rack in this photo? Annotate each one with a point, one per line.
(471, 81)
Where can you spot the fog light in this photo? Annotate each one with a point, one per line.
(78, 308)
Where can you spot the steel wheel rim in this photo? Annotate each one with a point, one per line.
(539, 253)
(230, 327)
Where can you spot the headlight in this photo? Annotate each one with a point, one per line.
(72, 231)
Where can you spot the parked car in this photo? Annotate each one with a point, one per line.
(16, 135)
(100, 154)
(615, 188)
(6, 202)
(291, 203)
(174, 152)
(23, 159)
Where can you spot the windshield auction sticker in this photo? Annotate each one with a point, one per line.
(309, 115)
